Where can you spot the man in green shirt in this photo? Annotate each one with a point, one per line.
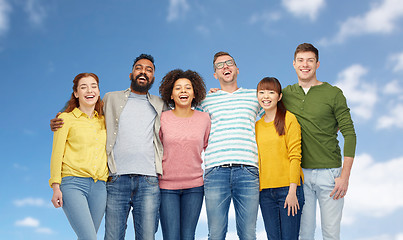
(321, 110)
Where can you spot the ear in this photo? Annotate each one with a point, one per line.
(75, 94)
(130, 75)
(317, 65)
(279, 98)
(215, 75)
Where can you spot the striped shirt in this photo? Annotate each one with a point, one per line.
(232, 136)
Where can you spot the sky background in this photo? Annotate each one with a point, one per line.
(45, 43)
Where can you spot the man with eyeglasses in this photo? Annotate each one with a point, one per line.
(231, 159)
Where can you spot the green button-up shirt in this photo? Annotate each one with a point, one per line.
(321, 113)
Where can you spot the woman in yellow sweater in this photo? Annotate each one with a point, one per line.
(278, 137)
(78, 169)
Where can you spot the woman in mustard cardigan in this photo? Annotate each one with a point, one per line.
(78, 169)
(278, 137)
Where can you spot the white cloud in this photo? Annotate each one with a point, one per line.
(36, 12)
(385, 237)
(39, 202)
(264, 17)
(382, 18)
(177, 8)
(203, 30)
(373, 180)
(393, 88)
(5, 10)
(20, 167)
(44, 230)
(28, 222)
(306, 8)
(393, 119)
(394, 106)
(360, 94)
(397, 61)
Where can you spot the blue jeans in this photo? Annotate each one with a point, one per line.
(277, 223)
(179, 212)
(84, 204)
(241, 184)
(318, 184)
(125, 192)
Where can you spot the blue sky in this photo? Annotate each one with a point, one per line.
(44, 44)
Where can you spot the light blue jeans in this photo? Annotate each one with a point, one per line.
(140, 192)
(318, 184)
(241, 184)
(179, 212)
(84, 204)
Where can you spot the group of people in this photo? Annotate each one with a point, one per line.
(132, 151)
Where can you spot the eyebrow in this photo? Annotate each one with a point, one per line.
(141, 65)
(83, 84)
(187, 84)
(306, 58)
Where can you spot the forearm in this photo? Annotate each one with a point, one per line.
(347, 165)
(293, 189)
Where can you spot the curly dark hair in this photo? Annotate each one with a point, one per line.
(168, 81)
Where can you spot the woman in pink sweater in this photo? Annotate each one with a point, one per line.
(184, 134)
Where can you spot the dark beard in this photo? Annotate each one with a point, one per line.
(141, 88)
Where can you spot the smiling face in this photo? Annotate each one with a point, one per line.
(226, 74)
(87, 92)
(142, 76)
(268, 99)
(182, 93)
(305, 65)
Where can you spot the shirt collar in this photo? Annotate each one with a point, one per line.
(77, 113)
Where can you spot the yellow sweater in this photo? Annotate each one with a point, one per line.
(79, 148)
(279, 156)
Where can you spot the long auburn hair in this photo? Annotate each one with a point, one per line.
(271, 83)
(73, 102)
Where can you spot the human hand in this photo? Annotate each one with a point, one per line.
(57, 198)
(56, 123)
(213, 90)
(291, 202)
(340, 188)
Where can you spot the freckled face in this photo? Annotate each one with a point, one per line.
(87, 91)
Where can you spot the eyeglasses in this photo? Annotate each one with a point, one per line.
(220, 65)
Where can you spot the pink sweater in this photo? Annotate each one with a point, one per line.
(183, 139)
